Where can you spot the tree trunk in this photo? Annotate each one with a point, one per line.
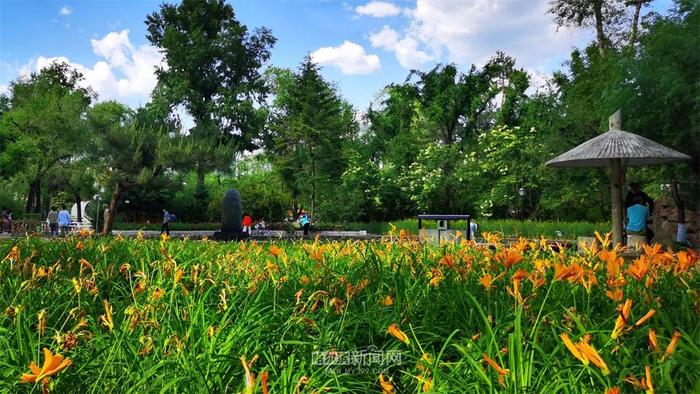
(616, 181)
(33, 196)
(635, 21)
(80, 211)
(112, 213)
(313, 186)
(600, 33)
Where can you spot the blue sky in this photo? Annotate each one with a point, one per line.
(362, 45)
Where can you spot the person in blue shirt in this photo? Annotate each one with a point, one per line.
(637, 216)
(64, 221)
(165, 228)
(305, 222)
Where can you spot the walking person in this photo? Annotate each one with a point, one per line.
(52, 218)
(64, 221)
(247, 223)
(165, 228)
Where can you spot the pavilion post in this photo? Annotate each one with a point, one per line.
(616, 183)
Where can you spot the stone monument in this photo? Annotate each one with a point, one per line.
(231, 217)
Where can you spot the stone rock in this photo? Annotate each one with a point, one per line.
(231, 211)
(665, 223)
(231, 217)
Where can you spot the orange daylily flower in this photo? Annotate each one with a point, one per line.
(644, 318)
(387, 301)
(486, 281)
(249, 376)
(650, 386)
(263, 381)
(572, 272)
(639, 268)
(585, 352)
(106, 319)
(275, 250)
(592, 355)
(387, 387)
(645, 383)
(398, 334)
(448, 260)
(572, 348)
(653, 343)
(685, 261)
(614, 294)
(13, 255)
(427, 383)
(501, 372)
(509, 257)
(672, 345)
(613, 262)
(53, 364)
(612, 390)
(436, 277)
(178, 275)
(622, 319)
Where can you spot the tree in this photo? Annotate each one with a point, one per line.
(601, 14)
(637, 4)
(127, 153)
(212, 70)
(310, 125)
(76, 179)
(44, 124)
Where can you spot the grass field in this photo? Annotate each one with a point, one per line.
(183, 316)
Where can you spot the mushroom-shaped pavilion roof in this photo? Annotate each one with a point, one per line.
(630, 148)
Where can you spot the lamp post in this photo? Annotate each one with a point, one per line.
(522, 192)
(98, 198)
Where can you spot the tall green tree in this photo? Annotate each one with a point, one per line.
(127, 153)
(311, 124)
(600, 14)
(213, 70)
(43, 125)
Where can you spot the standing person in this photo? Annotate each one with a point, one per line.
(637, 216)
(305, 222)
(52, 218)
(636, 191)
(165, 228)
(6, 221)
(64, 221)
(247, 223)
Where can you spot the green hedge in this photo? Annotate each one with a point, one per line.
(530, 229)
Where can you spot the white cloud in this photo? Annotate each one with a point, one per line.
(378, 9)
(385, 38)
(408, 54)
(406, 49)
(474, 30)
(349, 57)
(4, 88)
(471, 31)
(127, 72)
(65, 11)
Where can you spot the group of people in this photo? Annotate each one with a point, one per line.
(248, 224)
(58, 220)
(640, 207)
